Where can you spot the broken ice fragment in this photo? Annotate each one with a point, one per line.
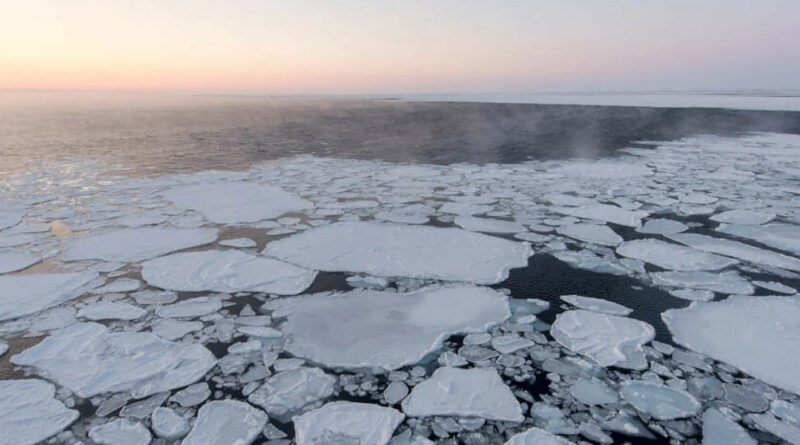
(120, 432)
(16, 261)
(607, 213)
(347, 423)
(193, 307)
(672, 256)
(720, 430)
(591, 233)
(22, 295)
(597, 305)
(131, 245)
(226, 422)
(105, 310)
(488, 225)
(30, 413)
(659, 401)
(289, 392)
(735, 249)
(537, 436)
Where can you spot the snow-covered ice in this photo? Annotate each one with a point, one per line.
(464, 393)
(131, 245)
(89, 359)
(660, 401)
(22, 295)
(596, 305)
(29, 412)
(226, 271)
(729, 282)
(672, 256)
(226, 422)
(607, 339)
(353, 329)
(391, 250)
(347, 423)
(602, 170)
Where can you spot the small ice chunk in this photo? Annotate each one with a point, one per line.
(16, 261)
(132, 245)
(192, 395)
(537, 436)
(30, 413)
(167, 424)
(10, 217)
(607, 213)
(347, 423)
(506, 344)
(236, 202)
(609, 340)
(735, 249)
(593, 392)
(391, 250)
(226, 271)
(352, 329)
(662, 227)
(118, 286)
(241, 243)
(693, 294)
(755, 334)
(591, 233)
(744, 217)
(464, 393)
(596, 305)
(22, 295)
(226, 422)
(193, 307)
(106, 310)
(289, 392)
(170, 329)
(728, 282)
(659, 401)
(395, 392)
(154, 296)
(89, 359)
(120, 432)
(672, 256)
(720, 430)
(488, 225)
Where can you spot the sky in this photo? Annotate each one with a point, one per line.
(403, 46)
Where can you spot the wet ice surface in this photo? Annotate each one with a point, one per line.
(335, 301)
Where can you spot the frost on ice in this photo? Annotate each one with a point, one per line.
(289, 392)
(756, 334)
(236, 202)
(672, 256)
(22, 295)
(89, 360)
(353, 329)
(226, 271)
(131, 245)
(660, 401)
(347, 423)
(29, 412)
(464, 393)
(391, 250)
(609, 340)
(225, 422)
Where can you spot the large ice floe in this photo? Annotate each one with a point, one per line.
(224, 422)
(16, 261)
(226, 271)
(347, 423)
(29, 413)
(236, 202)
(289, 392)
(139, 244)
(366, 329)
(89, 359)
(607, 339)
(22, 295)
(393, 250)
(672, 256)
(758, 335)
(659, 401)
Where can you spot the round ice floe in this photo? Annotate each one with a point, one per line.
(236, 202)
(22, 295)
(347, 422)
(609, 340)
(659, 401)
(672, 256)
(353, 329)
(226, 271)
(16, 261)
(591, 233)
(596, 305)
(756, 334)
(167, 424)
(30, 413)
(130, 245)
(226, 422)
(463, 393)
(392, 250)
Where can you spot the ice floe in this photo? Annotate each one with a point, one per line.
(607, 213)
(657, 400)
(662, 227)
(735, 249)
(720, 430)
(672, 256)
(353, 329)
(596, 305)
(16, 261)
(167, 424)
(465, 393)
(108, 310)
(226, 271)
(744, 217)
(390, 250)
(190, 308)
(236, 202)
(347, 423)
(130, 245)
(226, 422)
(289, 392)
(10, 218)
(488, 225)
(120, 432)
(29, 412)
(22, 295)
(776, 235)
(591, 233)
(755, 334)
(537, 436)
(728, 282)
(89, 359)
(602, 170)
(607, 339)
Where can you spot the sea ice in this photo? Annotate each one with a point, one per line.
(30, 413)
(755, 334)
(121, 285)
(744, 217)
(226, 422)
(391, 250)
(720, 430)
(659, 401)
(537, 436)
(464, 393)
(226, 271)
(591, 233)
(236, 202)
(776, 235)
(488, 225)
(131, 245)
(609, 340)
(735, 249)
(238, 242)
(193, 307)
(347, 423)
(596, 305)
(120, 432)
(593, 392)
(89, 359)
(167, 424)
(607, 213)
(289, 392)
(672, 256)
(728, 282)
(22, 295)
(353, 329)
(16, 261)
(602, 170)
(662, 227)
(10, 218)
(105, 310)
